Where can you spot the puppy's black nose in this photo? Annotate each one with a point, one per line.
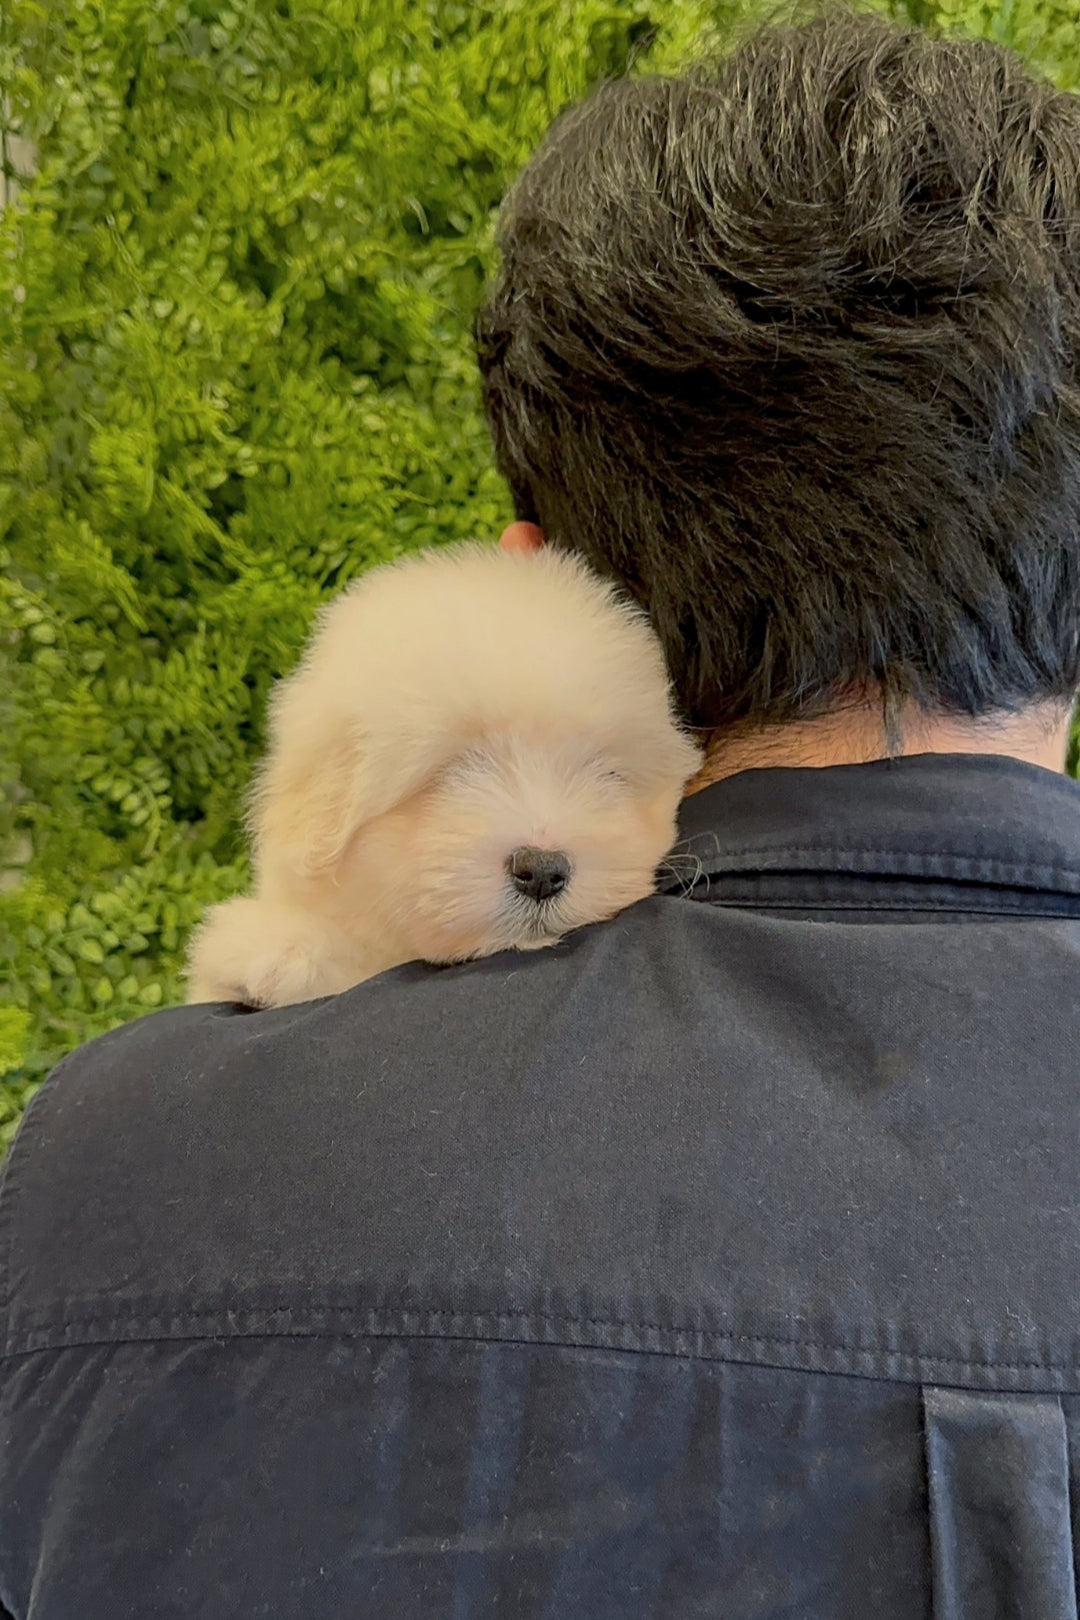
(538, 873)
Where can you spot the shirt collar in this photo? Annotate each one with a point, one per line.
(954, 817)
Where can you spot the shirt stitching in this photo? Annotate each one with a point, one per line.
(116, 1324)
(1040, 872)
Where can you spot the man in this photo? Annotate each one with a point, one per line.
(724, 1260)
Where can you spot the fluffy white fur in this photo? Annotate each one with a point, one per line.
(450, 709)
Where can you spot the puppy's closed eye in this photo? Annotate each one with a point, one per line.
(610, 771)
(469, 762)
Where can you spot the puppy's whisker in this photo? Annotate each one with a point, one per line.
(689, 879)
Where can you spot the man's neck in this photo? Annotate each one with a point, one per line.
(857, 735)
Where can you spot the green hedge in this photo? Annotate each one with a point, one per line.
(235, 370)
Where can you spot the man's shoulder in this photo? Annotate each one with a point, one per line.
(396, 1014)
(188, 1030)
(211, 1113)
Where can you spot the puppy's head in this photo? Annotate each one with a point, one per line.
(477, 753)
(517, 839)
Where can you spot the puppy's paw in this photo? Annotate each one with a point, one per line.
(265, 955)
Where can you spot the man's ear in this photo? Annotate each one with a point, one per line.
(522, 536)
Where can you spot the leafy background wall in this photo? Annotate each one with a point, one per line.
(240, 250)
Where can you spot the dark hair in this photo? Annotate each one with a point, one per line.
(787, 344)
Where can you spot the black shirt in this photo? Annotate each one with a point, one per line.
(722, 1261)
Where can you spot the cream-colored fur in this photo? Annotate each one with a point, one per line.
(450, 709)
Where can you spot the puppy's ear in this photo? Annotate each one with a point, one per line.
(326, 775)
(347, 740)
(307, 802)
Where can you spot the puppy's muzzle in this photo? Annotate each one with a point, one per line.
(539, 874)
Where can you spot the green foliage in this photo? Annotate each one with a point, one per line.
(235, 370)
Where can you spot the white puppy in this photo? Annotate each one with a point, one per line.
(478, 753)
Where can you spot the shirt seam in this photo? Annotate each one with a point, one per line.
(1041, 873)
(151, 1329)
(872, 908)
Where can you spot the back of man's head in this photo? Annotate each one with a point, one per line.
(789, 345)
